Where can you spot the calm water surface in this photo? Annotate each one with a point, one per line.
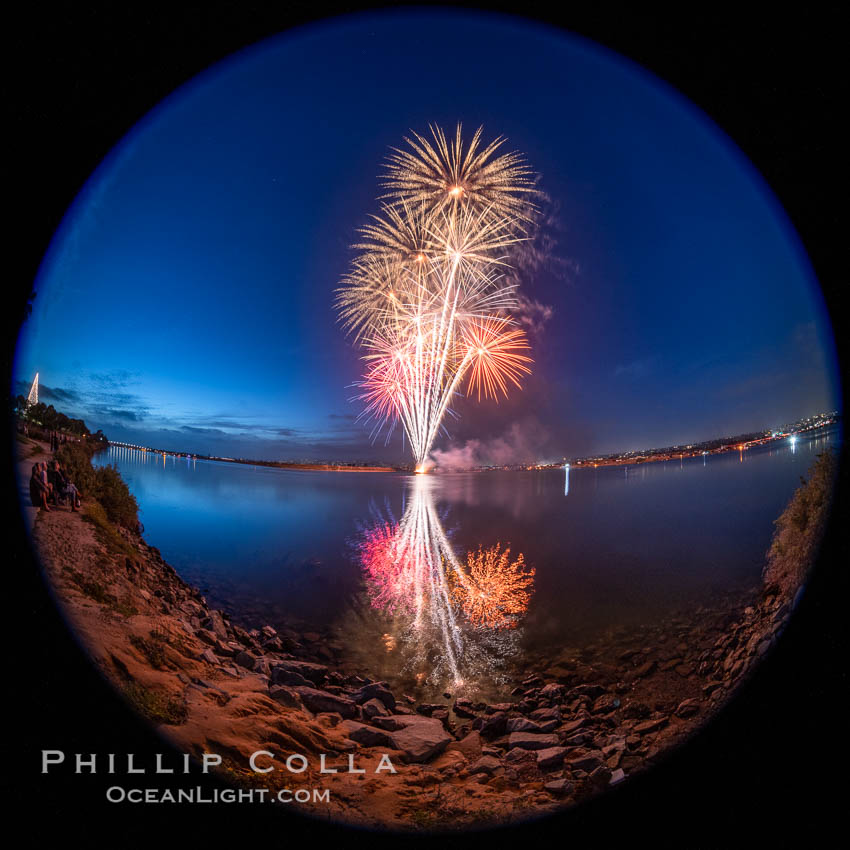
(381, 558)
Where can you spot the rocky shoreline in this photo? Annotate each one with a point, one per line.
(576, 723)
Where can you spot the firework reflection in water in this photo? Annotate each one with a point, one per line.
(454, 621)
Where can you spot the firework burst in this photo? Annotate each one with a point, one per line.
(427, 296)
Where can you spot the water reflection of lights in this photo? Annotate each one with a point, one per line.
(455, 620)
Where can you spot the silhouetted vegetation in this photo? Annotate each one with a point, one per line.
(49, 418)
(800, 527)
(103, 484)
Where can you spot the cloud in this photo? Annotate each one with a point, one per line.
(48, 394)
(115, 379)
(637, 368)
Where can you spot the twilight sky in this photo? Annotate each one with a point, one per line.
(186, 302)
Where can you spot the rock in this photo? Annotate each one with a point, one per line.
(642, 671)
(494, 726)
(428, 708)
(650, 725)
(315, 673)
(246, 659)
(464, 708)
(521, 724)
(551, 757)
(577, 739)
(617, 775)
(366, 736)
(222, 648)
(215, 623)
(282, 676)
(285, 696)
(573, 725)
(469, 745)
(636, 711)
(606, 704)
(498, 708)
(376, 690)
(390, 722)
(485, 764)
(687, 708)
(374, 708)
(545, 715)
(559, 787)
(585, 760)
(318, 701)
(518, 757)
(532, 740)
(601, 776)
(419, 738)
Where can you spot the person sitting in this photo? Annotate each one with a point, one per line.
(56, 483)
(39, 490)
(63, 487)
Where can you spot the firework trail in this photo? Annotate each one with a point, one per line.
(458, 617)
(427, 297)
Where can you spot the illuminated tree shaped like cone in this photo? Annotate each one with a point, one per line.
(32, 396)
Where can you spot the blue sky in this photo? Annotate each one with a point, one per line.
(186, 301)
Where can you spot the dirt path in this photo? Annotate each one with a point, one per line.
(28, 453)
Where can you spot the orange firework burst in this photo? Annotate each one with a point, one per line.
(497, 590)
(495, 351)
(427, 298)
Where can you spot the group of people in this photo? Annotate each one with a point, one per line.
(57, 440)
(49, 484)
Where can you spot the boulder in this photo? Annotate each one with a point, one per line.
(687, 708)
(650, 725)
(485, 764)
(419, 738)
(285, 696)
(551, 757)
(374, 708)
(559, 787)
(366, 736)
(318, 701)
(315, 673)
(532, 740)
(521, 724)
(375, 690)
(470, 745)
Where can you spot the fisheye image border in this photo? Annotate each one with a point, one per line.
(305, 706)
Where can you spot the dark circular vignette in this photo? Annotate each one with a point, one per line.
(748, 93)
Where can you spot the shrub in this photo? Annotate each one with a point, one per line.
(119, 503)
(800, 526)
(76, 462)
(103, 484)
